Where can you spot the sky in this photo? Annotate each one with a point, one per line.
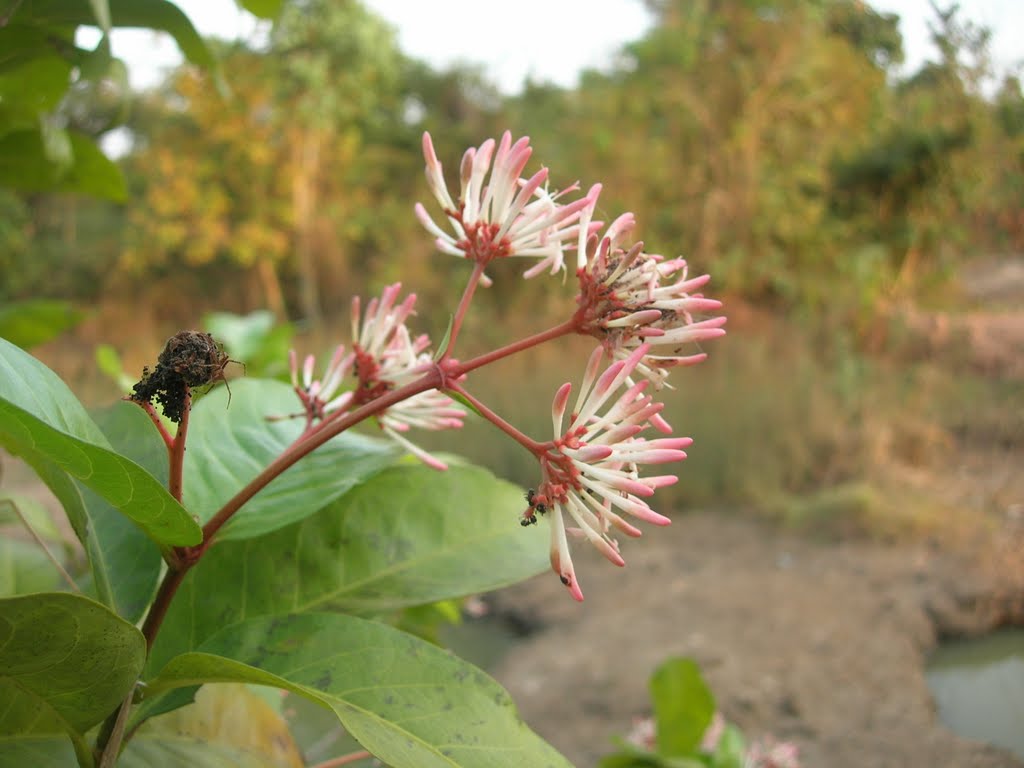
(514, 44)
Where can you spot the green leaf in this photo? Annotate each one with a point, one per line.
(228, 725)
(443, 346)
(255, 340)
(109, 362)
(41, 420)
(683, 707)
(230, 445)
(632, 756)
(406, 701)
(26, 749)
(25, 568)
(25, 162)
(36, 85)
(92, 172)
(37, 321)
(149, 14)
(642, 759)
(410, 535)
(21, 43)
(34, 511)
(264, 9)
(132, 560)
(65, 662)
(731, 750)
(241, 335)
(54, 159)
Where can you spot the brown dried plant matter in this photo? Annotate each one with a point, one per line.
(189, 359)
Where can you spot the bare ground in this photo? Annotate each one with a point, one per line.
(822, 643)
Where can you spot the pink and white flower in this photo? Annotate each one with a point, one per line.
(388, 357)
(628, 298)
(503, 214)
(384, 357)
(316, 395)
(591, 470)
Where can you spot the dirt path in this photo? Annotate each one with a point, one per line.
(816, 642)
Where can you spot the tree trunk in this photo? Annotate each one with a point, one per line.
(273, 296)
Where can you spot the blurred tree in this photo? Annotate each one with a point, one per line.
(940, 170)
(734, 111)
(207, 170)
(307, 172)
(337, 69)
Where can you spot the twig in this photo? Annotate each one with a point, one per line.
(352, 757)
(112, 744)
(42, 545)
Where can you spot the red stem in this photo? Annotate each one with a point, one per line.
(460, 312)
(562, 329)
(176, 451)
(433, 379)
(157, 421)
(352, 757)
(168, 587)
(531, 445)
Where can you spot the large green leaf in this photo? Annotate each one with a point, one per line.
(683, 707)
(26, 163)
(36, 85)
(21, 43)
(92, 172)
(73, 164)
(265, 9)
(125, 563)
(409, 535)
(131, 558)
(256, 338)
(409, 702)
(149, 14)
(65, 661)
(229, 444)
(42, 421)
(41, 748)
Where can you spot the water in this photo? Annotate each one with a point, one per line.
(978, 686)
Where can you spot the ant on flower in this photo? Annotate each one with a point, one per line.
(537, 504)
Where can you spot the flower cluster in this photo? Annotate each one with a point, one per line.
(498, 213)
(384, 357)
(628, 298)
(643, 309)
(591, 470)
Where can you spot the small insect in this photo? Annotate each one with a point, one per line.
(536, 501)
(537, 506)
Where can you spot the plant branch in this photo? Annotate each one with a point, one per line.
(112, 735)
(562, 329)
(432, 379)
(529, 444)
(42, 545)
(147, 406)
(352, 757)
(176, 451)
(158, 610)
(460, 312)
